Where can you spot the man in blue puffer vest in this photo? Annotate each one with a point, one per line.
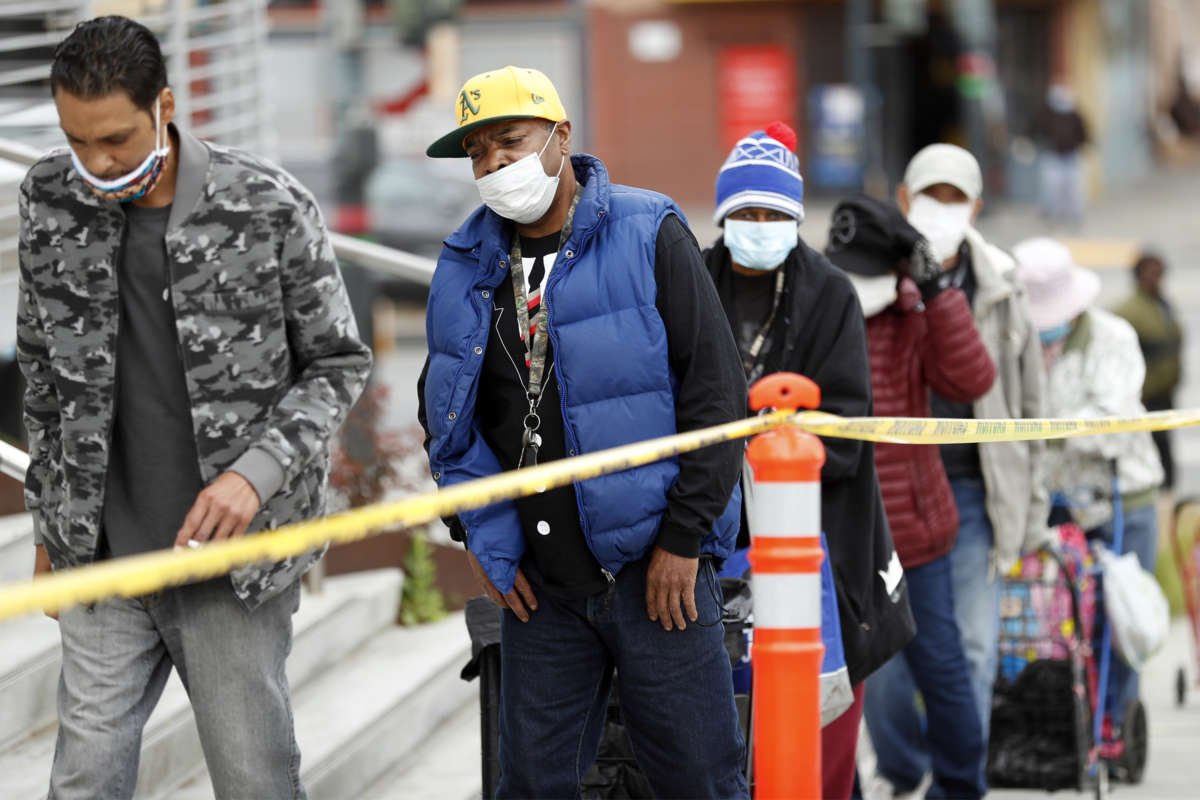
(568, 315)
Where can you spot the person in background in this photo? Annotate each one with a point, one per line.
(920, 338)
(793, 311)
(1094, 369)
(1160, 336)
(1062, 133)
(999, 488)
(552, 334)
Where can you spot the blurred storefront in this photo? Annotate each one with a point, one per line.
(661, 88)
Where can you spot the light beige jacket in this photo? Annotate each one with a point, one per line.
(1014, 473)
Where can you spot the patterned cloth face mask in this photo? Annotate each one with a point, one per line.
(138, 183)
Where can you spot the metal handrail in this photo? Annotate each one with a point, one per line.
(19, 153)
(14, 462)
(383, 259)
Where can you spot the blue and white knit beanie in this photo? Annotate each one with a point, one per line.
(762, 170)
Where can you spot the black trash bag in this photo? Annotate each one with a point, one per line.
(615, 774)
(1039, 729)
(739, 603)
(483, 626)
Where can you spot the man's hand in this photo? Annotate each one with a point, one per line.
(41, 566)
(668, 579)
(223, 510)
(516, 600)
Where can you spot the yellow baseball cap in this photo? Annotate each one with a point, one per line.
(506, 93)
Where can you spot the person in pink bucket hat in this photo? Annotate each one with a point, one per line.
(1094, 369)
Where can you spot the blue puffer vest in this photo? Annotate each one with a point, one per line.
(610, 355)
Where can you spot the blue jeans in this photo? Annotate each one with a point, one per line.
(116, 658)
(676, 692)
(1141, 537)
(936, 661)
(977, 612)
(1062, 187)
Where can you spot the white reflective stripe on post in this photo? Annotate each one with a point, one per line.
(787, 601)
(784, 509)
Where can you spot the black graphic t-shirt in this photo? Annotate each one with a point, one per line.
(553, 535)
(753, 296)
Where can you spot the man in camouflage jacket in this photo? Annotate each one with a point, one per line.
(271, 364)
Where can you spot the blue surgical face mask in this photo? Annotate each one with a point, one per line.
(1055, 334)
(760, 245)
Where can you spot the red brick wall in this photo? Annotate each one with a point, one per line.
(657, 125)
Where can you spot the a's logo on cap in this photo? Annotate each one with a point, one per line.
(465, 106)
(537, 98)
(841, 233)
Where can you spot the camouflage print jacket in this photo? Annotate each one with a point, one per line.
(271, 352)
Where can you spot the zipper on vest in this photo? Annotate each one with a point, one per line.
(568, 431)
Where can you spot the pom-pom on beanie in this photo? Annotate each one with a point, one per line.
(762, 170)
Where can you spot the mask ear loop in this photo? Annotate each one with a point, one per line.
(561, 161)
(161, 140)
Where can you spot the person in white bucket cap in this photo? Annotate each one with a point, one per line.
(1095, 369)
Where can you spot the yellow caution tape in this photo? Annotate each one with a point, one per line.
(150, 572)
(138, 575)
(925, 430)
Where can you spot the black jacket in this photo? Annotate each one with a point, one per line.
(820, 333)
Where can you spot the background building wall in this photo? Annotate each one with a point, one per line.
(658, 123)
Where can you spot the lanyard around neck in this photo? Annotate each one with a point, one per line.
(535, 350)
(751, 357)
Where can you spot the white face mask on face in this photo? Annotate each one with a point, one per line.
(943, 224)
(760, 245)
(521, 191)
(875, 293)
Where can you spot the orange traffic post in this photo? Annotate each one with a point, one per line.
(785, 556)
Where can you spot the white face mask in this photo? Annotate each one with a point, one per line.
(943, 224)
(521, 191)
(760, 245)
(138, 182)
(875, 293)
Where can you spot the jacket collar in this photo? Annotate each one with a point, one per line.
(189, 181)
(993, 270)
(487, 228)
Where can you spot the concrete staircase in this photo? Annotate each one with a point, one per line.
(366, 693)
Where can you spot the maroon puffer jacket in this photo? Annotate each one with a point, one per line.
(911, 352)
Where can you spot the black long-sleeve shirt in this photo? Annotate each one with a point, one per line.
(711, 390)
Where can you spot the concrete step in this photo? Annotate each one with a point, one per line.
(445, 765)
(29, 661)
(349, 611)
(16, 548)
(358, 721)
